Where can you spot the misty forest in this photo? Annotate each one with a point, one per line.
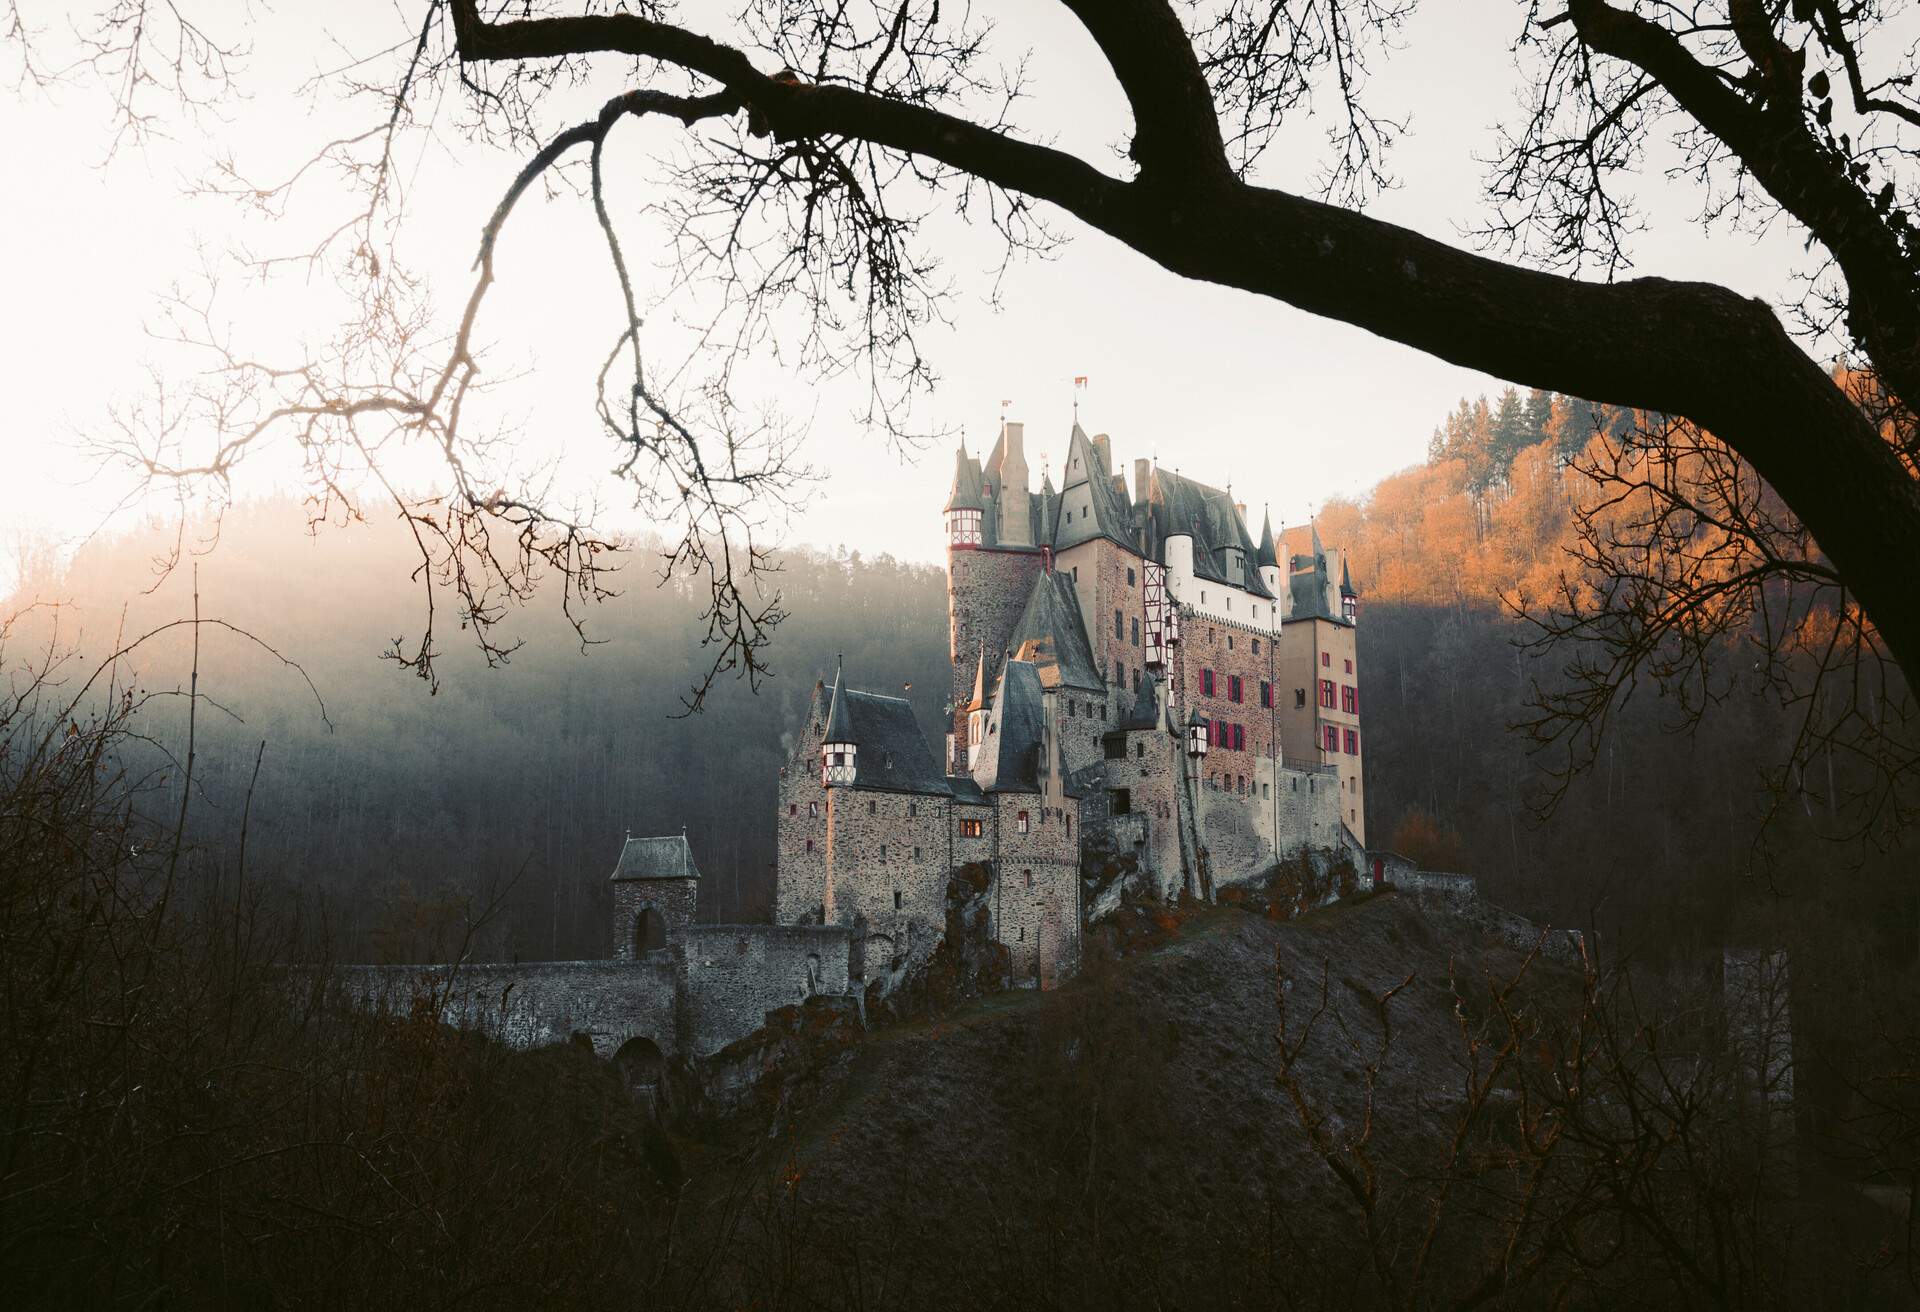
(425, 883)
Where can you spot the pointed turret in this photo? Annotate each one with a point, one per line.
(966, 504)
(979, 698)
(838, 768)
(1266, 557)
(1349, 599)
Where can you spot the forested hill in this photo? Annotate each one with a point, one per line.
(532, 772)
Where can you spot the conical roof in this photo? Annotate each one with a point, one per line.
(1266, 556)
(966, 494)
(1346, 579)
(839, 717)
(979, 698)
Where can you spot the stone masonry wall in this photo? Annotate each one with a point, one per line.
(986, 591)
(1231, 650)
(675, 899)
(537, 1003)
(1037, 889)
(733, 975)
(889, 854)
(800, 825)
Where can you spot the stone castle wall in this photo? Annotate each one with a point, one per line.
(1036, 889)
(889, 856)
(676, 901)
(800, 823)
(986, 591)
(532, 1004)
(733, 975)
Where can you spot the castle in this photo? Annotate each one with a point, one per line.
(1142, 697)
(1126, 669)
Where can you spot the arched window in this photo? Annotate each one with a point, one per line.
(649, 931)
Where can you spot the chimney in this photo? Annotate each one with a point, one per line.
(1014, 435)
(1240, 509)
(1105, 447)
(1142, 476)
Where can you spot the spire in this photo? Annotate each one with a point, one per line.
(1266, 556)
(1346, 579)
(966, 484)
(839, 718)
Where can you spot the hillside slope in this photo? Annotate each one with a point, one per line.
(1124, 1141)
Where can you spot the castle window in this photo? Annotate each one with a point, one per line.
(896, 899)
(1349, 699)
(916, 853)
(813, 810)
(1029, 875)
(1229, 636)
(793, 808)
(1326, 693)
(1229, 607)
(1256, 641)
(1265, 791)
(1266, 694)
(1299, 698)
(1349, 667)
(1333, 739)
(1103, 710)
(1129, 576)
(1206, 683)
(968, 829)
(1120, 801)
(1076, 573)
(1026, 825)
(1235, 689)
(872, 807)
(883, 851)
(1072, 708)
(1326, 658)
(1136, 680)
(1139, 751)
(1296, 785)
(1353, 742)
(913, 808)
(1133, 628)
(809, 845)
(1069, 826)
(1119, 628)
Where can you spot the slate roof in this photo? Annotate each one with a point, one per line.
(1051, 622)
(1009, 759)
(966, 494)
(1087, 463)
(1182, 505)
(839, 721)
(1145, 711)
(892, 755)
(1266, 556)
(656, 858)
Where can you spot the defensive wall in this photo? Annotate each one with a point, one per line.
(712, 985)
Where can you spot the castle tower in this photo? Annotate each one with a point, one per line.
(991, 564)
(656, 887)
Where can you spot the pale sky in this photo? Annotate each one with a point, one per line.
(1227, 386)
